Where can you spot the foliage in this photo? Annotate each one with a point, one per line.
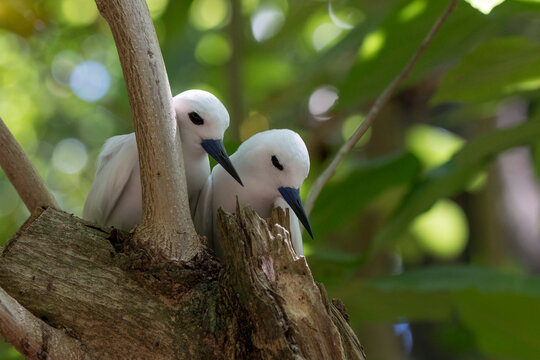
(62, 94)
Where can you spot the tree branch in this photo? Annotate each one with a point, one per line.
(166, 230)
(22, 174)
(374, 111)
(31, 336)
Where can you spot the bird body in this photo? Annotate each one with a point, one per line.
(115, 198)
(268, 162)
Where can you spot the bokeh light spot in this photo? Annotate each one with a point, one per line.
(412, 10)
(157, 7)
(344, 17)
(351, 124)
(403, 330)
(484, 6)
(322, 100)
(255, 123)
(442, 231)
(80, 12)
(208, 14)
(69, 156)
(63, 65)
(325, 35)
(372, 45)
(308, 249)
(213, 49)
(90, 81)
(478, 182)
(432, 145)
(266, 22)
(249, 6)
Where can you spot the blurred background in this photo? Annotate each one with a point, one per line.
(428, 232)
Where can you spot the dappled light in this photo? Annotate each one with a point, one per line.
(484, 6)
(372, 45)
(322, 100)
(350, 125)
(213, 49)
(90, 81)
(69, 156)
(432, 145)
(208, 14)
(266, 22)
(79, 13)
(442, 231)
(412, 10)
(157, 7)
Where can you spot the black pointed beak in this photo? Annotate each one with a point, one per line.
(292, 197)
(216, 150)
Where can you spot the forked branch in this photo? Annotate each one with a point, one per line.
(330, 170)
(166, 230)
(22, 174)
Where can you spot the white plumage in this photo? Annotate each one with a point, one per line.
(115, 197)
(273, 165)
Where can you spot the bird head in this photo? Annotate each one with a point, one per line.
(278, 164)
(202, 120)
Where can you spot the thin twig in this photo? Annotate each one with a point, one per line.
(22, 174)
(374, 111)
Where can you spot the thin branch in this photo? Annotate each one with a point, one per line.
(166, 230)
(22, 174)
(374, 111)
(33, 337)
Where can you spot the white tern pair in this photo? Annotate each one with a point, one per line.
(272, 166)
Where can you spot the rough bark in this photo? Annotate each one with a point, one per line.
(92, 284)
(22, 174)
(32, 336)
(166, 230)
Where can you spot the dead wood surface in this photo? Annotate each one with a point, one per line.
(90, 284)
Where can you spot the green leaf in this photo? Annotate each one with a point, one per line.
(451, 178)
(335, 206)
(401, 39)
(495, 69)
(500, 309)
(459, 279)
(504, 325)
(368, 304)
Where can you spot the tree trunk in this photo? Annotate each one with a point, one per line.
(94, 286)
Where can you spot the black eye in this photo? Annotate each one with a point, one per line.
(196, 118)
(276, 163)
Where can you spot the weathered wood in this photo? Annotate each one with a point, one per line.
(32, 336)
(67, 272)
(94, 285)
(22, 174)
(295, 318)
(166, 230)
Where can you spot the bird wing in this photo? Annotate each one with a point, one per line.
(204, 214)
(296, 230)
(116, 164)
